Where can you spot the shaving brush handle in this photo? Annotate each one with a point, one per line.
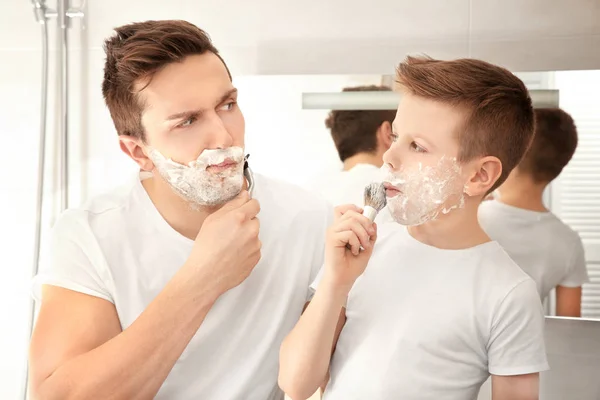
(370, 213)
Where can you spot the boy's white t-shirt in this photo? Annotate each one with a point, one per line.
(541, 244)
(119, 248)
(425, 323)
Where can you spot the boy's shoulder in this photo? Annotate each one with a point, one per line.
(499, 220)
(486, 267)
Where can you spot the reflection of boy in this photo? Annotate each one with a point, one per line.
(540, 243)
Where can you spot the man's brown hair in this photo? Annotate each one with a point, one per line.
(354, 131)
(553, 146)
(499, 112)
(135, 53)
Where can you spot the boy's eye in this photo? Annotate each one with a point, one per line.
(415, 147)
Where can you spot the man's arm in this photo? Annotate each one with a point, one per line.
(79, 352)
(568, 301)
(517, 387)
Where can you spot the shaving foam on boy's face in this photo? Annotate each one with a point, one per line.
(424, 191)
(214, 178)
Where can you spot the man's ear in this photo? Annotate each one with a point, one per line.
(134, 148)
(486, 172)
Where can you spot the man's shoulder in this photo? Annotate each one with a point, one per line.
(109, 207)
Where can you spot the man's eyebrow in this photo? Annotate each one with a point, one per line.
(184, 114)
(192, 113)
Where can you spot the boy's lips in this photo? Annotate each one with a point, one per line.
(391, 190)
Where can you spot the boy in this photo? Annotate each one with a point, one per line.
(440, 306)
(540, 243)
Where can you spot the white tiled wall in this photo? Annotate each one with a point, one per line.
(256, 37)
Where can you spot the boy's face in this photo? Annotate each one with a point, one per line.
(191, 116)
(423, 178)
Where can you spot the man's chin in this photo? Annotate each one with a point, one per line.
(213, 203)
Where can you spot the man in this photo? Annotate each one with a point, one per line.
(168, 288)
(360, 137)
(540, 243)
(440, 306)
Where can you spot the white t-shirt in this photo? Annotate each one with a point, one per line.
(348, 187)
(119, 248)
(426, 323)
(540, 243)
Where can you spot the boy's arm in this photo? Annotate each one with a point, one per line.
(568, 301)
(306, 352)
(338, 330)
(516, 387)
(568, 291)
(516, 350)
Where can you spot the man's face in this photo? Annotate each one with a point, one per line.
(191, 116)
(423, 178)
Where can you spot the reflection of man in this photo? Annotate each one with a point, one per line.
(163, 289)
(360, 137)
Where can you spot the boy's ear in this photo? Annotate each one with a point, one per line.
(486, 173)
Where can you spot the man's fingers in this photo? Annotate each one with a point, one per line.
(242, 198)
(250, 209)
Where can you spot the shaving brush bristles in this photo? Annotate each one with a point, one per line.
(375, 196)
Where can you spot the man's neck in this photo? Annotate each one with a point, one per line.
(178, 213)
(363, 158)
(459, 229)
(525, 195)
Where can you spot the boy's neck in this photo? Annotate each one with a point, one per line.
(523, 193)
(459, 229)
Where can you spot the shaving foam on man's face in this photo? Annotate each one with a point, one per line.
(214, 178)
(420, 193)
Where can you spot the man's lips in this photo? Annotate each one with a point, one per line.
(228, 163)
(391, 190)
